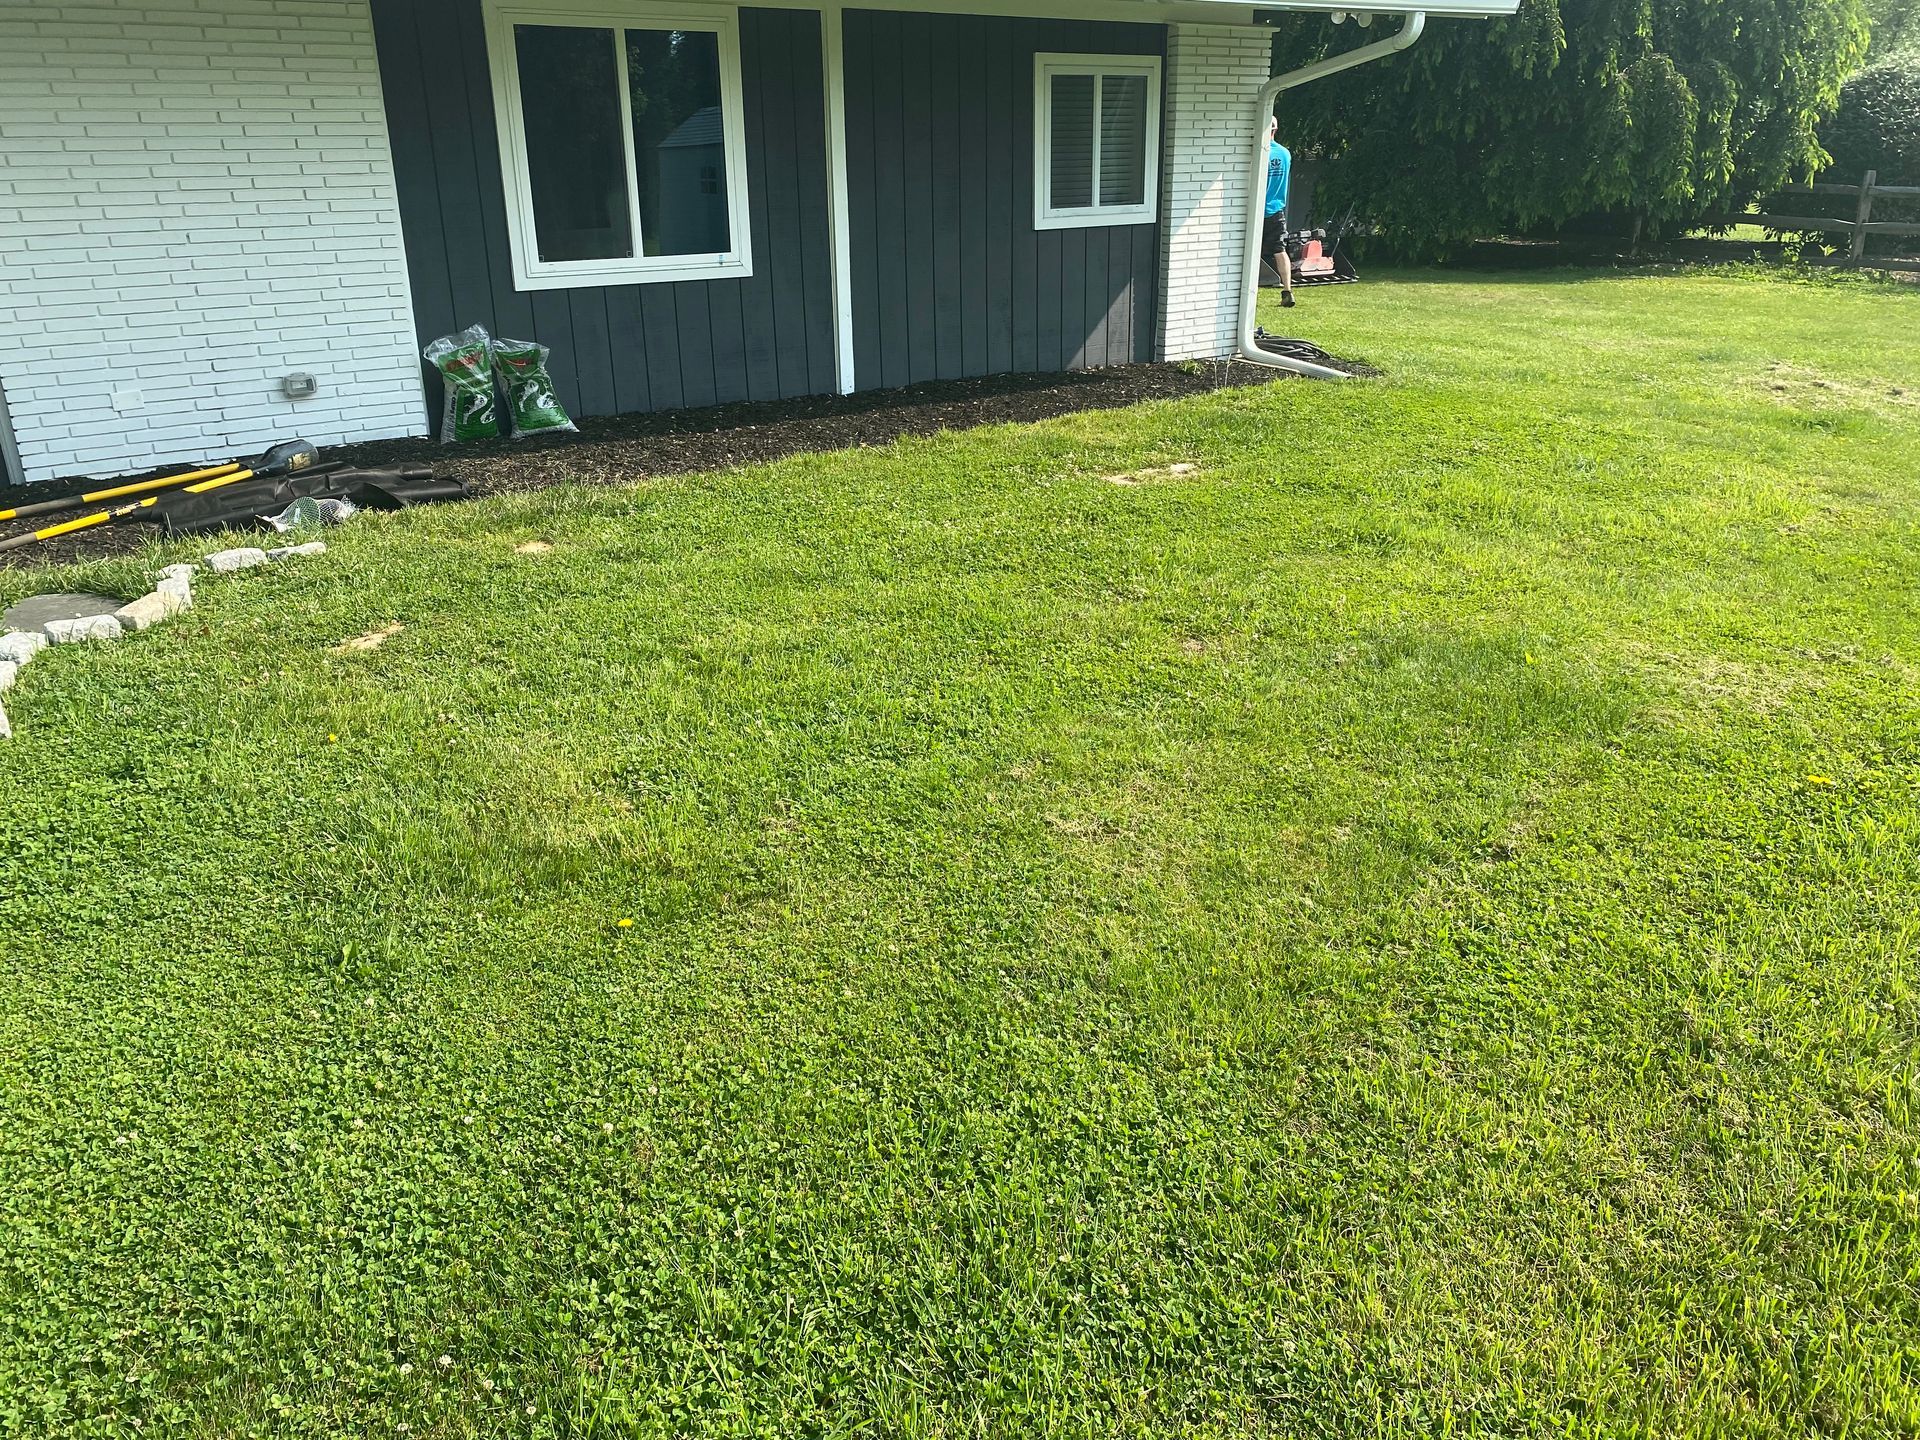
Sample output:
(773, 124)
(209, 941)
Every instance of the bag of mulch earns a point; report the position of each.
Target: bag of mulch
(465, 363)
(532, 408)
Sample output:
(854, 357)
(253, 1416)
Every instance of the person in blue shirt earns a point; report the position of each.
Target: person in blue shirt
(1273, 235)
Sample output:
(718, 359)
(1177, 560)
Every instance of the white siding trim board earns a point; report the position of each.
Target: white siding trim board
(833, 56)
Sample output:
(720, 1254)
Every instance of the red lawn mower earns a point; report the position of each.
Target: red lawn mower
(1318, 258)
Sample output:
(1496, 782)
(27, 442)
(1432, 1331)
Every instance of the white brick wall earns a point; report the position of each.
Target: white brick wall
(196, 200)
(1213, 74)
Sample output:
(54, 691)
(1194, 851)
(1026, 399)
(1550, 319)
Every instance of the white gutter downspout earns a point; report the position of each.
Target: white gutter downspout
(1257, 184)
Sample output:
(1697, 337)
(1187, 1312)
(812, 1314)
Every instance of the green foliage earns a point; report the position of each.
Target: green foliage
(1878, 124)
(1649, 114)
(1406, 930)
(1896, 25)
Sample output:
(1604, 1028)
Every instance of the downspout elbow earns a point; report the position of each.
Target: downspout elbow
(1404, 38)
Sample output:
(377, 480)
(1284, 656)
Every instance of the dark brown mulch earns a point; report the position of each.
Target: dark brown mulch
(622, 448)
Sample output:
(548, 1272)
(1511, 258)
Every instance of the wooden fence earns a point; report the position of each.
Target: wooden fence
(1860, 227)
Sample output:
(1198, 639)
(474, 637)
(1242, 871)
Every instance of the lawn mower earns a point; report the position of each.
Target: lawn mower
(1318, 258)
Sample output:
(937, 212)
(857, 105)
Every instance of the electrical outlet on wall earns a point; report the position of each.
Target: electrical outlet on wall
(125, 402)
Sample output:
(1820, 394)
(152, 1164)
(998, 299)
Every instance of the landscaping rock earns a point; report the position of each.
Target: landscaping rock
(287, 552)
(21, 646)
(92, 627)
(9, 672)
(224, 562)
(176, 594)
(147, 611)
(6, 730)
(182, 573)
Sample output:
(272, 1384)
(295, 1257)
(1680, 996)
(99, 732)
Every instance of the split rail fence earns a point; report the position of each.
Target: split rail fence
(1859, 228)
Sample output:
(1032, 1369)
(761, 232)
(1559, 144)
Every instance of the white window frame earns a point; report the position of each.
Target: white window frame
(530, 272)
(1045, 67)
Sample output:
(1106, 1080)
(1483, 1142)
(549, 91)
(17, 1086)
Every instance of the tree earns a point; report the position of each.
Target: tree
(1896, 26)
(1651, 113)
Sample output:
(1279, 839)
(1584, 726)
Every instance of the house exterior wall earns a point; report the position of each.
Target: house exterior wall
(625, 348)
(1213, 73)
(196, 201)
(949, 276)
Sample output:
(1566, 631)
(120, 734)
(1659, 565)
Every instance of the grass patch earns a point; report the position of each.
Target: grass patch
(1404, 928)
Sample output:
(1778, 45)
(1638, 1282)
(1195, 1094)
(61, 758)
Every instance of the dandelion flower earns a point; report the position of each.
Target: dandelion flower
(1819, 779)
(626, 924)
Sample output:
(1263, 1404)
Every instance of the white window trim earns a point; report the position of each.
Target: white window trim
(1045, 67)
(530, 272)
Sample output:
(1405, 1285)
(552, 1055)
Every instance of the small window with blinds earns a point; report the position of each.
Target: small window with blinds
(1096, 140)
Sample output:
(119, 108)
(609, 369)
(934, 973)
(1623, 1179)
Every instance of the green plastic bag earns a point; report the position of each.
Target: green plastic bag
(532, 408)
(465, 363)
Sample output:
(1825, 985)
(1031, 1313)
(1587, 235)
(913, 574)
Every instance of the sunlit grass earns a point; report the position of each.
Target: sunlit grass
(1409, 929)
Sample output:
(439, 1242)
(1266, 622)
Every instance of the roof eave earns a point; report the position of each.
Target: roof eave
(1462, 9)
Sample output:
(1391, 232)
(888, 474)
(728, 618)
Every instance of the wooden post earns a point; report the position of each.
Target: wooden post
(1861, 215)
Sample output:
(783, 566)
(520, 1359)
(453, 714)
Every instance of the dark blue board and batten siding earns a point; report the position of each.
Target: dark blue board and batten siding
(950, 278)
(616, 348)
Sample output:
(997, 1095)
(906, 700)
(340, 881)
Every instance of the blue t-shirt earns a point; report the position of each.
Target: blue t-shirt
(1279, 172)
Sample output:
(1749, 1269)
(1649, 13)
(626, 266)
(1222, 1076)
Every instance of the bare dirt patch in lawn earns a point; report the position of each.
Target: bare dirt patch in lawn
(1804, 387)
(1708, 680)
(372, 640)
(1158, 474)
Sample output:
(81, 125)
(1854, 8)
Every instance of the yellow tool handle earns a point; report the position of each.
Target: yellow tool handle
(85, 522)
(139, 485)
(161, 483)
(101, 517)
(206, 485)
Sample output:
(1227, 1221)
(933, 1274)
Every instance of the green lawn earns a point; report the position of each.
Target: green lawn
(1411, 929)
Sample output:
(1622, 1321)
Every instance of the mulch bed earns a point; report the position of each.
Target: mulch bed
(620, 449)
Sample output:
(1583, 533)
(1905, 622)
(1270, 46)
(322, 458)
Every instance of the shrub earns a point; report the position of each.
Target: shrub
(1877, 126)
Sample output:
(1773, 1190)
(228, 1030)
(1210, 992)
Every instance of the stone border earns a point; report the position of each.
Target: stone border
(172, 594)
